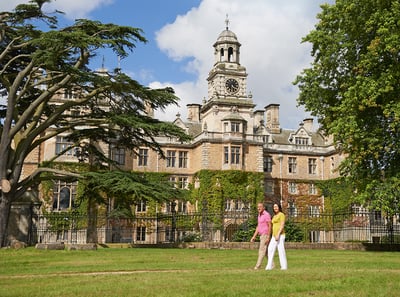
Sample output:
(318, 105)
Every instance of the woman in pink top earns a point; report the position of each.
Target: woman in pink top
(264, 230)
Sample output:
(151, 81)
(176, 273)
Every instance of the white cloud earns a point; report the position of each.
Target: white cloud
(185, 91)
(73, 9)
(270, 33)
(10, 4)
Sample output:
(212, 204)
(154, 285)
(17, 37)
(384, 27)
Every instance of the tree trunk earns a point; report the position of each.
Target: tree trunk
(91, 236)
(5, 207)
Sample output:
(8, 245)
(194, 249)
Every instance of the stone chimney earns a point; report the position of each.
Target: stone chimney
(308, 124)
(258, 118)
(272, 118)
(193, 112)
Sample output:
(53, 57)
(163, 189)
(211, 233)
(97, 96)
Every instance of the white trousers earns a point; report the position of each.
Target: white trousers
(280, 244)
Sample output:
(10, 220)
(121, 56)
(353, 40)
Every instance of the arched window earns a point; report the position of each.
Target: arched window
(64, 195)
(230, 54)
(221, 55)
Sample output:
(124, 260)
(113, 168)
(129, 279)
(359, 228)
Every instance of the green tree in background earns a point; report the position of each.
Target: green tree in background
(39, 59)
(353, 88)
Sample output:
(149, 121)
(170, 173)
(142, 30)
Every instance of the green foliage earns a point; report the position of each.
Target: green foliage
(293, 232)
(245, 231)
(48, 178)
(65, 220)
(391, 239)
(353, 86)
(383, 195)
(192, 237)
(41, 59)
(119, 212)
(339, 195)
(129, 188)
(215, 187)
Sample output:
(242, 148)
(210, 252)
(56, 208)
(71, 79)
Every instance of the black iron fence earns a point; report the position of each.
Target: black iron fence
(346, 227)
(217, 227)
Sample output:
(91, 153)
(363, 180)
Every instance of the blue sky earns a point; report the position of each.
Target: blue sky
(147, 63)
(180, 36)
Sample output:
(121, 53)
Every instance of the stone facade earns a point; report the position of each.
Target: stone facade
(230, 134)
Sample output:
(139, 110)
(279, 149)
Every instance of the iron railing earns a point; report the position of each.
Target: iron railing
(218, 227)
(347, 227)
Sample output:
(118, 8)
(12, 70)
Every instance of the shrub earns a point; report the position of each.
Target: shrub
(293, 232)
(192, 237)
(391, 239)
(245, 231)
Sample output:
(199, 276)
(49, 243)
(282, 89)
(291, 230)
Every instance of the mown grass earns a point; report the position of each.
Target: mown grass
(195, 272)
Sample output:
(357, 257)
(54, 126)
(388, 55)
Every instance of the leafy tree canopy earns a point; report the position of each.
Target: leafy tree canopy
(353, 88)
(39, 60)
(128, 188)
(338, 195)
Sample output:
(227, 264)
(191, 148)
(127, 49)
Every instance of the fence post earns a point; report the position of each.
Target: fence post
(204, 221)
(173, 227)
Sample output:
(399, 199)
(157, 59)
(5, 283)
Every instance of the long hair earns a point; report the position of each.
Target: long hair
(279, 206)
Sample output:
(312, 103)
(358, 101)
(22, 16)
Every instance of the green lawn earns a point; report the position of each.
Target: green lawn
(195, 272)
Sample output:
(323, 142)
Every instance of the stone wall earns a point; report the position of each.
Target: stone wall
(360, 246)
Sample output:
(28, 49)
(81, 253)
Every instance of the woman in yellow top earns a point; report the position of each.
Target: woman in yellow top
(278, 239)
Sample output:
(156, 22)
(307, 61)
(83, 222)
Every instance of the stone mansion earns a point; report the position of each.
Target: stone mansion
(228, 134)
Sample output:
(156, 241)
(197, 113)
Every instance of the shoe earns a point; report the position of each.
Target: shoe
(256, 268)
(272, 267)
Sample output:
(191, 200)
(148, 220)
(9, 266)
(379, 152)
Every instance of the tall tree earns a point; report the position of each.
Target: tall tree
(353, 88)
(39, 59)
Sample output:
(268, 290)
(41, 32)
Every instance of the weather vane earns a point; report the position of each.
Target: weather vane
(227, 22)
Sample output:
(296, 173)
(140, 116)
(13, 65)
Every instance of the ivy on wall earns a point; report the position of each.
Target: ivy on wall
(211, 188)
(48, 179)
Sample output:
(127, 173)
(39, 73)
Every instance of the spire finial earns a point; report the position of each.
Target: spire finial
(227, 22)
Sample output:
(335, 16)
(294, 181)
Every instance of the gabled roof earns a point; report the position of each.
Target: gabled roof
(317, 139)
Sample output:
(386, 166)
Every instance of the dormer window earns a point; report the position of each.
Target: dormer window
(231, 126)
(301, 141)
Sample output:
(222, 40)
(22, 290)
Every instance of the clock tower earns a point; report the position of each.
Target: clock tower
(228, 103)
(227, 79)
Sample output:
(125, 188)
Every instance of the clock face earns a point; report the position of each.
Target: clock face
(232, 85)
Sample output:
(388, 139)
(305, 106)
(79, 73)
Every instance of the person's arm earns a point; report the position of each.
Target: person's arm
(282, 225)
(269, 232)
(255, 234)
